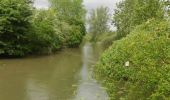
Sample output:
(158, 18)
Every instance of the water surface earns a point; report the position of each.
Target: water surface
(62, 76)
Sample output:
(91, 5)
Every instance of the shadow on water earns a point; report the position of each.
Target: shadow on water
(64, 76)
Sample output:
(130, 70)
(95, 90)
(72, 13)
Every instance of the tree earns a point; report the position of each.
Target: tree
(14, 26)
(45, 37)
(98, 22)
(130, 13)
(71, 15)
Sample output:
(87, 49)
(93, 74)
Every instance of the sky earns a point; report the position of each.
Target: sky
(41, 4)
(89, 4)
(92, 4)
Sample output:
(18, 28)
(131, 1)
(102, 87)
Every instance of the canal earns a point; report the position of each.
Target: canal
(66, 75)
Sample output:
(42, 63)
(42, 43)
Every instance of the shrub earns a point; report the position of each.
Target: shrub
(45, 38)
(107, 39)
(147, 49)
(75, 36)
(14, 25)
(24, 30)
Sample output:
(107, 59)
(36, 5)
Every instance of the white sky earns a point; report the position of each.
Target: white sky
(89, 4)
(92, 4)
(41, 4)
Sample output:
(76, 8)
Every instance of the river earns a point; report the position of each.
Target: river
(66, 75)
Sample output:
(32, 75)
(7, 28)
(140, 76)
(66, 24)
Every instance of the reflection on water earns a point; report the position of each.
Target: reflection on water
(88, 88)
(63, 76)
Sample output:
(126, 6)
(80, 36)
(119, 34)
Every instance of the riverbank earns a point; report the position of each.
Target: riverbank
(137, 66)
(28, 31)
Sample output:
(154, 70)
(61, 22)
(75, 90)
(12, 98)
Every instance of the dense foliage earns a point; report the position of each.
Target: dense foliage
(147, 49)
(14, 26)
(45, 38)
(71, 15)
(137, 65)
(25, 30)
(130, 13)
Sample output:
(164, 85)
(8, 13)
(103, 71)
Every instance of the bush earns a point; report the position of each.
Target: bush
(106, 39)
(72, 35)
(14, 26)
(75, 36)
(147, 49)
(45, 38)
(71, 15)
(24, 30)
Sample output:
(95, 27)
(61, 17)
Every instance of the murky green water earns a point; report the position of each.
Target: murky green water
(63, 76)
